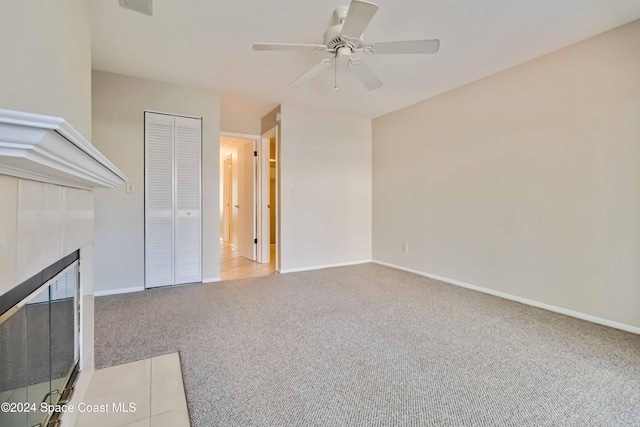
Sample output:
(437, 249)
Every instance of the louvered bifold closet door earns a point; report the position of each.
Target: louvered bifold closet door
(188, 201)
(159, 194)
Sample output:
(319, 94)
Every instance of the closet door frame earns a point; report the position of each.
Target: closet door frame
(173, 195)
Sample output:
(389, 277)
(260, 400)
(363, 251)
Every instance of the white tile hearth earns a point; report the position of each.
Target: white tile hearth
(155, 387)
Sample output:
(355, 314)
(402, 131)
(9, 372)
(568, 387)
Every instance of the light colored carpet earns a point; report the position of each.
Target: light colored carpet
(368, 345)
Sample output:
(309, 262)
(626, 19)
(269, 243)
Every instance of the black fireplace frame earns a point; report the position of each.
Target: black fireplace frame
(10, 300)
(13, 300)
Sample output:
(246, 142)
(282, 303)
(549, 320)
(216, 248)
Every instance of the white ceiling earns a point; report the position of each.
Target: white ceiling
(208, 43)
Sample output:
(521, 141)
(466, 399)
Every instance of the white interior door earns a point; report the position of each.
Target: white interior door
(264, 216)
(226, 199)
(246, 203)
(159, 170)
(187, 252)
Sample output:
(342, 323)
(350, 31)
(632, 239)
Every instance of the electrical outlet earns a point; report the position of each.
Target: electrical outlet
(405, 248)
(131, 188)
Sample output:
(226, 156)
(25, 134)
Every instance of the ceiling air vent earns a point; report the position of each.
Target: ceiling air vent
(142, 6)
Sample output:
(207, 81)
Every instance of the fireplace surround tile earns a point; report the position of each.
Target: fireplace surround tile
(47, 227)
(52, 235)
(9, 235)
(78, 218)
(32, 254)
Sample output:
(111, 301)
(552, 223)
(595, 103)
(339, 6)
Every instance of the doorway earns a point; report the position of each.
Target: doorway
(240, 213)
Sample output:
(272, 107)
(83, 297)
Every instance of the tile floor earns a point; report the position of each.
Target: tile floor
(32, 395)
(233, 266)
(153, 385)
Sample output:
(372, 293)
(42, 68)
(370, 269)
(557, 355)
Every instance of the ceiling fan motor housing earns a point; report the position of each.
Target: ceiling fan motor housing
(334, 40)
(333, 37)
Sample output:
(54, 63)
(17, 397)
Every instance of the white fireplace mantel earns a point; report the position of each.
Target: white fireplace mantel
(48, 149)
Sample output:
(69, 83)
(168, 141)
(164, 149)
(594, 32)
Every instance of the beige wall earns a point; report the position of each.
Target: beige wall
(118, 131)
(325, 204)
(526, 182)
(46, 59)
(239, 123)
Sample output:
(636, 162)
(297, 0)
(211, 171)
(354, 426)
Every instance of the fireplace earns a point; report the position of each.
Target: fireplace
(39, 355)
(48, 174)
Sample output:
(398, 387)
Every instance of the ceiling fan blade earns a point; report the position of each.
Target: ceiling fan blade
(366, 76)
(312, 73)
(409, 46)
(358, 18)
(289, 47)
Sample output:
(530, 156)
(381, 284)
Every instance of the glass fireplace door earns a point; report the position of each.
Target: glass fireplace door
(38, 349)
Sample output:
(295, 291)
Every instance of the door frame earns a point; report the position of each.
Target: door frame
(255, 140)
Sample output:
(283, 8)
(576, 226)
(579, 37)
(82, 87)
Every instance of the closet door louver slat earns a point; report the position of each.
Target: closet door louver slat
(159, 212)
(188, 200)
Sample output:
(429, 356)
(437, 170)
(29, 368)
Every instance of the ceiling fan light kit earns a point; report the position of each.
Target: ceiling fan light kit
(344, 39)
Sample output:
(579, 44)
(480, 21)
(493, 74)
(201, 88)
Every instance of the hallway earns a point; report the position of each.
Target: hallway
(233, 266)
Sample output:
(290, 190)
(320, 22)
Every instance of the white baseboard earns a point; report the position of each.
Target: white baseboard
(319, 267)
(118, 291)
(556, 309)
(215, 279)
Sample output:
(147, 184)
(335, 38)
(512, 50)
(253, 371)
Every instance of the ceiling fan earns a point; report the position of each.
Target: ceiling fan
(345, 39)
